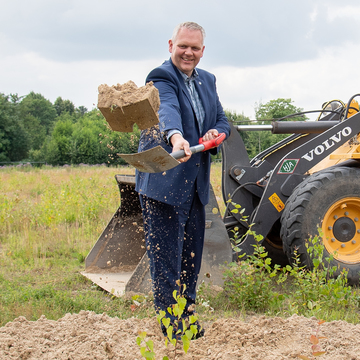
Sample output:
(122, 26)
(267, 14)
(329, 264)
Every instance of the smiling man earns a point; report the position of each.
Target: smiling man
(186, 48)
(173, 203)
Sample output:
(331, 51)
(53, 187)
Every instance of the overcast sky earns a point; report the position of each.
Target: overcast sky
(259, 50)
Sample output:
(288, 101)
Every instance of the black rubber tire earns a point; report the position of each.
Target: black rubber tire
(274, 247)
(311, 202)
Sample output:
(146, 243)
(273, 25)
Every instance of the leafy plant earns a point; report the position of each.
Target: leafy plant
(177, 328)
(315, 347)
(146, 346)
(256, 284)
(249, 283)
(317, 287)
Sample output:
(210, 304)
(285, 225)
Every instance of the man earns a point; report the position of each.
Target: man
(173, 203)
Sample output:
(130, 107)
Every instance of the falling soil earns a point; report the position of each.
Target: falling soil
(125, 105)
(89, 336)
(128, 94)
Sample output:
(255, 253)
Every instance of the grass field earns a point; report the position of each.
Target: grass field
(50, 219)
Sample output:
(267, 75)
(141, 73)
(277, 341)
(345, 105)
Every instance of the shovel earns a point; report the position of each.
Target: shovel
(158, 159)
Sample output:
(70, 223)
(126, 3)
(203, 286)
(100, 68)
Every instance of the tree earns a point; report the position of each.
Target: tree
(257, 141)
(62, 106)
(240, 120)
(35, 131)
(40, 108)
(14, 142)
(96, 143)
(233, 117)
(56, 149)
(82, 110)
(277, 109)
(87, 140)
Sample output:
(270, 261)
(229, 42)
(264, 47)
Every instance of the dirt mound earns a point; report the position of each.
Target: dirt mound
(126, 105)
(88, 336)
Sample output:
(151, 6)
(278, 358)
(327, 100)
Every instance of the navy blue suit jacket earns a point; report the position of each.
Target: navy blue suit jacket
(176, 112)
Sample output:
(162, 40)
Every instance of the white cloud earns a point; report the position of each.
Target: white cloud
(76, 81)
(308, 83)
(286, 49)
(340, 12)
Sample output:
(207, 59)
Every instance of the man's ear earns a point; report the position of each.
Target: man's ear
(170, 46)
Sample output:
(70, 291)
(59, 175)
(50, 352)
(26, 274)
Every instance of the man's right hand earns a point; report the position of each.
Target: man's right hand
(179, 143)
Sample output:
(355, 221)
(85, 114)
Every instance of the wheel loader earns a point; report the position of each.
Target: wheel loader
(305, 185)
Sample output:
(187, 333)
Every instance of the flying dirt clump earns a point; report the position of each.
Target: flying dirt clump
(126, 105)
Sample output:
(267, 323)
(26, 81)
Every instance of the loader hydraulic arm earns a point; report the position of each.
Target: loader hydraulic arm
(291, 127)
(291, 170)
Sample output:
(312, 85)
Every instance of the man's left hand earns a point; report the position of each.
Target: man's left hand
(211, 134)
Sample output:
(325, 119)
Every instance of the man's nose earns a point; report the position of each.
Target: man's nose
(188, 50)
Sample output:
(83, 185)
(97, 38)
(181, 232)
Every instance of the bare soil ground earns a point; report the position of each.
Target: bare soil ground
(89, 336)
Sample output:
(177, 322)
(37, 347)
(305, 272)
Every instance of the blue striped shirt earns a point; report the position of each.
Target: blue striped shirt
(198, 107)
(195, 99)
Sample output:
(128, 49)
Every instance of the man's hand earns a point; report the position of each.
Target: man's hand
(179, 143)
(211, 134)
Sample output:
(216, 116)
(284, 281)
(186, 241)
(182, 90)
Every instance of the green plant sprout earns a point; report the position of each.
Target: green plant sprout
(236, 239)
(177, 328)
(315, 347)
(147, 350)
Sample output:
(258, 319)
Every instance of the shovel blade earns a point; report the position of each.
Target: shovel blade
(153, 160)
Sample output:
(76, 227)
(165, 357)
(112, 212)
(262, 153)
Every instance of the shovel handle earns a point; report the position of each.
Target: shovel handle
(203, 146)
(214, 142)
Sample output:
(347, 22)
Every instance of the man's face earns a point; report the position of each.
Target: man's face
(187, 50)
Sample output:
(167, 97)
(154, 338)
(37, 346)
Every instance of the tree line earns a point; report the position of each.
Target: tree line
(32, 129)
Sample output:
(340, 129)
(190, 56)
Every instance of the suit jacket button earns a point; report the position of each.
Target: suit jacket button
(198, 165)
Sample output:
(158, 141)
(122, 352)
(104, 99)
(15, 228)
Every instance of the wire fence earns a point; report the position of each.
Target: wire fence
(22, 163)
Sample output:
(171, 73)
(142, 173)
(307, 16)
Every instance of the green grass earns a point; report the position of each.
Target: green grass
(50, 219)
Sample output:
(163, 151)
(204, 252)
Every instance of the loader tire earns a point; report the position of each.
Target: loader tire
(329, 200)
(274, 247)
(273, 244)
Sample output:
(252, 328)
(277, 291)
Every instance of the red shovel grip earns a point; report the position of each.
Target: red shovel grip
(213, 142)
(203, 146)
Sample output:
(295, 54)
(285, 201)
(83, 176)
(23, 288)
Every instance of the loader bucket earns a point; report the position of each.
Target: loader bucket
(118, 262)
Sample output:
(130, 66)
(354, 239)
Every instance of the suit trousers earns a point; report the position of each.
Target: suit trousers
(174, 237)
